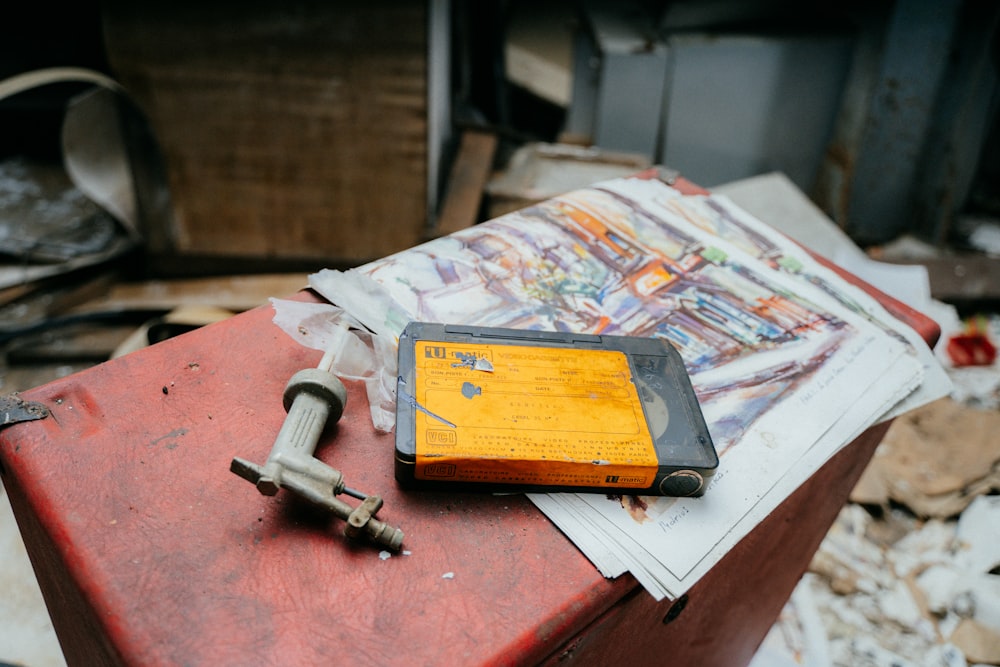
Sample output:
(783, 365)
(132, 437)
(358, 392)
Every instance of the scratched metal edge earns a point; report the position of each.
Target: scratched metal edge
(16, 410)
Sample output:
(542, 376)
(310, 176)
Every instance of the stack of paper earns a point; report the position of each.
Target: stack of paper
(789, 361)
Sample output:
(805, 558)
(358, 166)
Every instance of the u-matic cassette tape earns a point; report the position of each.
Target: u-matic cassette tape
(502, 410)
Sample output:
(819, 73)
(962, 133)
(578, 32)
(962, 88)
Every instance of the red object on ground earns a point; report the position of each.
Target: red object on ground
(971, 349)
(149, 551)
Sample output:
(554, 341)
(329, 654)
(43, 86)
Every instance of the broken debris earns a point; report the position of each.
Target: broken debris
(935, 460)
(931, 598)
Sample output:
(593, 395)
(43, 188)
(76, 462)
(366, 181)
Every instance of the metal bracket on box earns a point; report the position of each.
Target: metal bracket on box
(14, 410)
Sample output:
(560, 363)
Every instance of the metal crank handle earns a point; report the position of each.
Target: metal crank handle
(312, 397)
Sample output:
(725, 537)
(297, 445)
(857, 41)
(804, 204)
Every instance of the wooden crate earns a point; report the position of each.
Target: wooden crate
(289, 130)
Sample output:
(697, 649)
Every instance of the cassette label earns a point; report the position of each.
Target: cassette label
(539, 411)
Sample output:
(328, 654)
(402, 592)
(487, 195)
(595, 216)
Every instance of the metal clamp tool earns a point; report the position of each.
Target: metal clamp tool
(312, 397)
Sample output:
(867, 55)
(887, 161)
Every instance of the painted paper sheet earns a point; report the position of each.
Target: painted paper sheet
(778, 362)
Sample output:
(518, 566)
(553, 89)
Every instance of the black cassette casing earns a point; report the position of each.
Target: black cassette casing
(686, 456)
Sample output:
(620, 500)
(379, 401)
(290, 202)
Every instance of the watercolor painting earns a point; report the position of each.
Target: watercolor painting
(596, 261)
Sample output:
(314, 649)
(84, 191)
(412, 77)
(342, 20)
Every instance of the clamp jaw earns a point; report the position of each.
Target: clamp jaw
(312, 397)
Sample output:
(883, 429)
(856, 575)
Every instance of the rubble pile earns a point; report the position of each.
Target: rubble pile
(909, 575)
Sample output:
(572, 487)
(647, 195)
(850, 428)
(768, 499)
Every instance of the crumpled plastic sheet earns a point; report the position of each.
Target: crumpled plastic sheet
(364, 299)
(359, 356)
